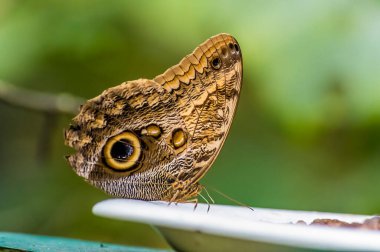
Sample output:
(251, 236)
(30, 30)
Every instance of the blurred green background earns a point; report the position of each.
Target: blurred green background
(306, 134)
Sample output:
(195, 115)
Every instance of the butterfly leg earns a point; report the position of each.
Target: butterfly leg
(193, 200)
(173, 199)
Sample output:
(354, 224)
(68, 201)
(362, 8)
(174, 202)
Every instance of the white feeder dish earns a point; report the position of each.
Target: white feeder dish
(229, 228)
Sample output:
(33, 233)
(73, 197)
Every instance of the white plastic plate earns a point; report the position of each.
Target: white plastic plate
(224, 228)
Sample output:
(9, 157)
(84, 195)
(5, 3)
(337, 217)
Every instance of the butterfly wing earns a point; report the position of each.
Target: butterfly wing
(154, 139)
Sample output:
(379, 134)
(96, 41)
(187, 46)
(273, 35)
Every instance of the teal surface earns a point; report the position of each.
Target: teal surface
(26, 242)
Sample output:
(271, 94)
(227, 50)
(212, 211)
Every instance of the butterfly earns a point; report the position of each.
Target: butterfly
(155, 139)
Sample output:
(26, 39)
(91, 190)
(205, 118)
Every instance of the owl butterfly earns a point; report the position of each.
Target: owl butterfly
(155, 139)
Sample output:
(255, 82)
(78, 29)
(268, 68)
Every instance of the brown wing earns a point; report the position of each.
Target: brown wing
(154, 139)
(206, 85)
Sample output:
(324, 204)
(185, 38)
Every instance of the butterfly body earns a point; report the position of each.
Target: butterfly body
(155, 139)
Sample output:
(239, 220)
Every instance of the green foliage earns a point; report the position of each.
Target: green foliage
(306, 134)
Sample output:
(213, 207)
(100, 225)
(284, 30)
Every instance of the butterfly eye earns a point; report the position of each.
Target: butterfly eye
(122, 152)
(216, 63)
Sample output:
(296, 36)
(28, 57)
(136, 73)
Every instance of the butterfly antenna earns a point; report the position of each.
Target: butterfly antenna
(230, 198)
(208, 203)
(208, 195)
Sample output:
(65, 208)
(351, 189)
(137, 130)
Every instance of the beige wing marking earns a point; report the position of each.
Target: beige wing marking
(188, 99)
